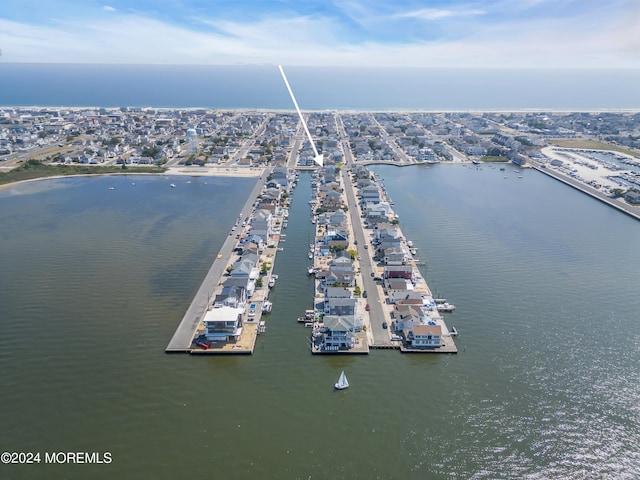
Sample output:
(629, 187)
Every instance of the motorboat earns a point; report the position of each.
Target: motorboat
(445, 307)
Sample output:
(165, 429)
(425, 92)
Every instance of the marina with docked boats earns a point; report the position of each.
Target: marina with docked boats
(368, 292)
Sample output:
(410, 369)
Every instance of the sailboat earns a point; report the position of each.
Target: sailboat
(342, 382)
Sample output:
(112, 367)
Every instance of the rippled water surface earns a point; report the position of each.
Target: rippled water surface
(94, 281)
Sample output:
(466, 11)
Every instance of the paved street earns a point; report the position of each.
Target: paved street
(377, 314)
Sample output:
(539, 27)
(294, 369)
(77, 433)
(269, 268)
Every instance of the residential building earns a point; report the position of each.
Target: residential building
(223, 324)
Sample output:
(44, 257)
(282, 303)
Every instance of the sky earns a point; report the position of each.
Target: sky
(371, 33)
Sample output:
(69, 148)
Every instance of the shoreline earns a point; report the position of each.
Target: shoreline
(346, 110)
(172, 171)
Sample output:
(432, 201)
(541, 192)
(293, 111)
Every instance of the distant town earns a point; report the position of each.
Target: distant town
(598, 149)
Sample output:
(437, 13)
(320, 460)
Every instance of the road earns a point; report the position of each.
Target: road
(376, 300)
(402, 157)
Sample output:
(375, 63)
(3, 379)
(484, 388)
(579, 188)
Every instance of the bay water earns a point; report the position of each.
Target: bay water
(94, 281)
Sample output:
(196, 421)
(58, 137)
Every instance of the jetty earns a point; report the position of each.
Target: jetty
(236, 296)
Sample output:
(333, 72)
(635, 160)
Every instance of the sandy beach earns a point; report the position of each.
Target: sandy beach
(172, 171)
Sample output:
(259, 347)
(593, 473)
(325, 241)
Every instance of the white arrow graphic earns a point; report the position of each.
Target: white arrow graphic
(318, 158)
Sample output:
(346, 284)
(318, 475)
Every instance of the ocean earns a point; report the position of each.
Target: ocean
(321, 88)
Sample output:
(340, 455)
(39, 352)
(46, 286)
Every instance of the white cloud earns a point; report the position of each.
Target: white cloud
(316, 40)
(438, 14)
(108, 8)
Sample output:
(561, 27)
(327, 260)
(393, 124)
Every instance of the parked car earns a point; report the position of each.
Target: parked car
(366, 246)
(364, 294)
(384, 325)
(367, 307)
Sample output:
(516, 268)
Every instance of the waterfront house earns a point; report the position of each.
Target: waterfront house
(398, 271)
(336, 219)
(341, 307)
(246, 266)
(332, 200)
(223, 324)
(397, 288)
(233, 294)
(336, 292)
(394, 256)
(259, 240)
(339, 276)
(425, 336)
(414, 298)
(341, 258)
(339, 333)
(337, 237)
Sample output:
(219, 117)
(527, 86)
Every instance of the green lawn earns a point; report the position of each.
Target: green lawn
(35, 169)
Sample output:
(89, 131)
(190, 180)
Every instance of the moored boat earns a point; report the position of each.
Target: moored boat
(445, 307)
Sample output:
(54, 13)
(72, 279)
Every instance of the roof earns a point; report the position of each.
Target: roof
(337, 292)
(339, 323)
(424, 330)
(223, 314)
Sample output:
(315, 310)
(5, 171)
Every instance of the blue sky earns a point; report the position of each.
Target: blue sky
(391, 33)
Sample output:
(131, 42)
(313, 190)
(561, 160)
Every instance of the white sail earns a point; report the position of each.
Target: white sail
(342, 382)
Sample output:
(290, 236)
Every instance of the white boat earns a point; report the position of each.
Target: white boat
(342, 382)
(446, 307)
(272, 281)
(310, 270)
(112, 188)
(266, 306)
(409, 243)
(173, 185)
(310, 256)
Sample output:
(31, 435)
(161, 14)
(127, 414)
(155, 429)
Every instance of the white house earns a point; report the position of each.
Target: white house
(223, 324)
(426, 336)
